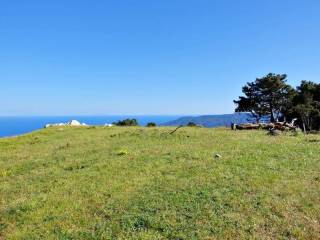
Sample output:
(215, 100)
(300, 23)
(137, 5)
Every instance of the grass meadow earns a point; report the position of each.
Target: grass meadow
(144, 183)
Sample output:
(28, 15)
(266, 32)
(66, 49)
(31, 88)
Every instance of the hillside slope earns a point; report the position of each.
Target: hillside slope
(212, 120)
(143, 183)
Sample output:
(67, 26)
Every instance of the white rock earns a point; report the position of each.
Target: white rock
(71, 123)
(74, 123)
(108, 125)
(217, 156)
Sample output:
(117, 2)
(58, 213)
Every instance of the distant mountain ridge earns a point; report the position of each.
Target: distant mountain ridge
(211, 121)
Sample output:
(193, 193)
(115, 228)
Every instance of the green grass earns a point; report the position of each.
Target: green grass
(142, 183)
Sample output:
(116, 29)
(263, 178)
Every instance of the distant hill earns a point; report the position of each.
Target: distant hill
(212, 120)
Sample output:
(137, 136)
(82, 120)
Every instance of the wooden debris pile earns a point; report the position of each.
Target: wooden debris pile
(282, 126)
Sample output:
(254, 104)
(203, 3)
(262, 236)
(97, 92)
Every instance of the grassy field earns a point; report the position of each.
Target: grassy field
(143, 183)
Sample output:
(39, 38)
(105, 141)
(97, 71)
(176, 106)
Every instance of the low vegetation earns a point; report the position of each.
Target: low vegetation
(144, 183)
(151, 124)
(191, 124)
(127, 122)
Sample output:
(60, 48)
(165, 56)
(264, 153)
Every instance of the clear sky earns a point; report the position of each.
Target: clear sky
(149, 57)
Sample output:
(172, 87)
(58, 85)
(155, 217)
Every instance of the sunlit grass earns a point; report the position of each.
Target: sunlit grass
(143, 183)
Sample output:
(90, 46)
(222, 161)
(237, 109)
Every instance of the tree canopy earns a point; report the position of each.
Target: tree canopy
(306, 105)
(269, 95)
(272, 96)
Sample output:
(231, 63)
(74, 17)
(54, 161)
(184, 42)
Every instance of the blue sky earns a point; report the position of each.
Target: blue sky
(149, 57)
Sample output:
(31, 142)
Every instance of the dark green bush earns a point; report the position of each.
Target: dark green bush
(191, 124)
(151, 124)
(127, 122)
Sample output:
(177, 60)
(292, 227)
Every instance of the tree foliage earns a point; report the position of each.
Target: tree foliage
(306, 105)
(269, 95)
(272, 96)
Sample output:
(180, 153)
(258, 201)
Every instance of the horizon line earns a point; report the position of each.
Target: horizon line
(111, 115)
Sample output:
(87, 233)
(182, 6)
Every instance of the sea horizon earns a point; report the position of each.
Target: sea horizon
(18, 125)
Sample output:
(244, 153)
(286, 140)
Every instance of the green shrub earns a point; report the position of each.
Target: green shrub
(127, 122)
(151, 124)
(191, 124)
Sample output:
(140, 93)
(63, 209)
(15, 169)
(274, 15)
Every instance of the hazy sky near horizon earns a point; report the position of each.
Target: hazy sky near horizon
(149, 57)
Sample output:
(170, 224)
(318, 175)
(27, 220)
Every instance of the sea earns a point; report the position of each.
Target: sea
(13, 126)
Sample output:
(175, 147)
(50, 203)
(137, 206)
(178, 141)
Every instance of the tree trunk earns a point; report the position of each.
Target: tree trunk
(271, 113)
(272, 117)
